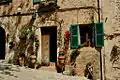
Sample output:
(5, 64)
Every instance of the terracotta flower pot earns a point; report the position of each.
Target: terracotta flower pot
(61, 59)
(21, 61)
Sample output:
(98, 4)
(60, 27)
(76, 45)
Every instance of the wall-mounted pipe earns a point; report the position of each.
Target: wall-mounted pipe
(101, 55)
(98, 1)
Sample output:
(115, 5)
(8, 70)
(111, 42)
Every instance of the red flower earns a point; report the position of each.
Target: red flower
(67, 34)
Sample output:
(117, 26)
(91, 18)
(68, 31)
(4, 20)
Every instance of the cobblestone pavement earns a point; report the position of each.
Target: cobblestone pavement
(13, 72)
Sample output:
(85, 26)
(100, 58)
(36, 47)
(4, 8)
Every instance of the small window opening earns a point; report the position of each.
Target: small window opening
(86, 35)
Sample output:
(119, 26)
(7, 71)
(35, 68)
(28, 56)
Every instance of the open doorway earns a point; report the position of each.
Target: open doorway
(2, 43)
(49, 44)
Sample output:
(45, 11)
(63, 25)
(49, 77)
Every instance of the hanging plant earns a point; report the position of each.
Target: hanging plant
(67, 35)
(66, 39)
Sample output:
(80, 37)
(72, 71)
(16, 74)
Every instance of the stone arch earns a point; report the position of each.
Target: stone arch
(2, 43)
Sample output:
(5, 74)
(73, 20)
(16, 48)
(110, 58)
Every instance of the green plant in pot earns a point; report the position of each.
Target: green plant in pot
(62, 54)
(61, 60)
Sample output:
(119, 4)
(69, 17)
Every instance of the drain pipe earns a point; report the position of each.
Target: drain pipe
(101, 55)
(98, 1)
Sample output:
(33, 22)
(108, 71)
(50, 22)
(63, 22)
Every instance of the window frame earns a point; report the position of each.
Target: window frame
(38, 1)
(5, 1)
(93, 37)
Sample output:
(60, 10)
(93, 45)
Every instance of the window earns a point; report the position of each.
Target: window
(9, 0)
(5, 1)
(86, 35)
(38, 1)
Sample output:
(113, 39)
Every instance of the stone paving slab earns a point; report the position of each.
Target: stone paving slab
(13, 72)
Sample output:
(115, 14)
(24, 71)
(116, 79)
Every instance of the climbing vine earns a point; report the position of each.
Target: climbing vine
(26, 33)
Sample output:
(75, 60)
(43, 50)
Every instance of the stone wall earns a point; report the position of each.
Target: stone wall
(61, 19)
(76, 3)
(70, 12)
(88, 55)
(79, 12)
(76, 12)
(16, 25)
(110, 9)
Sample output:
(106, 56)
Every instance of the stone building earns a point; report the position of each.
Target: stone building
(39, 26)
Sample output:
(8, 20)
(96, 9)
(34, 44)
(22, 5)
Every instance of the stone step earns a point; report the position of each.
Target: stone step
(51, 67)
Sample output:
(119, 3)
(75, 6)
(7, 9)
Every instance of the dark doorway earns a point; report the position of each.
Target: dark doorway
(2, 43)
(52, 32)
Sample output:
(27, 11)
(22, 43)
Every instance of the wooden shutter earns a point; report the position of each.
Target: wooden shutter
(74, 36)
(36, 1)
(99, 34)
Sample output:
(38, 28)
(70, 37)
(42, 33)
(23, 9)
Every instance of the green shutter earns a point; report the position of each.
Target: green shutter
(74, 36)
(99, 34)
(36, 1)
(9, 0)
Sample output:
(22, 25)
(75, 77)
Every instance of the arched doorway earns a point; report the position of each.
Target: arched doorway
(2, 43)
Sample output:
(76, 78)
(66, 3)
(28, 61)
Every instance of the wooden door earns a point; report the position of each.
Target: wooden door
(45, 48)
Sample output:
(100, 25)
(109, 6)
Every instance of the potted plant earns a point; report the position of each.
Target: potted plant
(61, 57)
(61, 60)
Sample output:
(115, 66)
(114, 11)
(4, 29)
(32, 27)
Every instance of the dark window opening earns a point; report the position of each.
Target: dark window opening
(5, 2)
(86, 34)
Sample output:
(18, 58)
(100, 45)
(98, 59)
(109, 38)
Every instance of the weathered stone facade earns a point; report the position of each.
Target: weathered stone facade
(70, 12)
(110, 11)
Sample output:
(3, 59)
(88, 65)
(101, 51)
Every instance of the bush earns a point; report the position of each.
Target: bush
(73, 56)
